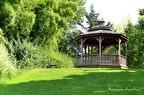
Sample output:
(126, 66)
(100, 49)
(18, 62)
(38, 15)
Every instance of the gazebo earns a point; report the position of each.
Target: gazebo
(91, 44)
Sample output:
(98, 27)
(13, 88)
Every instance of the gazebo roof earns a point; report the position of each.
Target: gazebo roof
(101, 29)
(106, 32)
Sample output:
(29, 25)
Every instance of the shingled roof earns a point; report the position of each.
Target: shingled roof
(104, 31)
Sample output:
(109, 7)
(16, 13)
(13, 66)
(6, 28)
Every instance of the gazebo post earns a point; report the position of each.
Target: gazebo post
(85, 47)
(126, 49)
(76, 53)
(76, 50)
(91, 49)
(81, 51)
(88, 52)
(100, 41)
(119, 51)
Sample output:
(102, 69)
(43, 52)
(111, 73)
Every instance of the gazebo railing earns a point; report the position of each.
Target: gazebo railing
(122, 60)
(105, 60)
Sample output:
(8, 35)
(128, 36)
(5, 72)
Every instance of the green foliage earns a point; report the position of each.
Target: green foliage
(61, 60)
(29, 56)
(92, 17)
(135, 35)
(33, 29)
(110, 50)
(141, 12)
(52, 18)
(16, 21)
(67, 44)
(40, 21)
(42, 57)
(7, 66)
(110, 24)
(21, 52)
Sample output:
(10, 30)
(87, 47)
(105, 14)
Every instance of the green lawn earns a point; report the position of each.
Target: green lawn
(75, 81)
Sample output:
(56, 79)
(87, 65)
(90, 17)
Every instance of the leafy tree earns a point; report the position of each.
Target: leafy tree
(67, 44)
(135, 35)
(38, 22)
(52, 21)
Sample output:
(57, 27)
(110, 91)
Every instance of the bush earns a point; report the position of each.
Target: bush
(29, 56)
(43, 58)
(21, 52)
(7, 67)
(61, 60)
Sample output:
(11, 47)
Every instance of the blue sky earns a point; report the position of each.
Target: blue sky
(116, 10)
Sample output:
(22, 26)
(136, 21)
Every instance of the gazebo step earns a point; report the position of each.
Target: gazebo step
(124, 66)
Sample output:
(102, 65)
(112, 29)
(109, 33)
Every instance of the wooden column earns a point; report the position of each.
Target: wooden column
(88, 50)
(85, 47)
(77, 60)
(88, 54)
(126, 52)
(126, 49)
(100, 48)
(91, 50)
(119, 51)
(82, 41)
(76, 50)
(81, 51)
(91, 54)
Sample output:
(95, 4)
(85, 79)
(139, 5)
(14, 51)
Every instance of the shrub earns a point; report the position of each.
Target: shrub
(21, 52)
(7, 67)
(61, 60)
(29, 56)
(43, 58)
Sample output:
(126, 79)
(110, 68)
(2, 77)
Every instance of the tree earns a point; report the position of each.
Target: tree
(38, 22)
(92, 17)
(67, 44)
(110, 24)
(135, 35)
(52, 22)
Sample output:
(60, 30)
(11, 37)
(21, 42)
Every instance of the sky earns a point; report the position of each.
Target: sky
(116, 10)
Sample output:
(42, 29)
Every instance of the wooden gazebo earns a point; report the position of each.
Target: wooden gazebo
(100, 37)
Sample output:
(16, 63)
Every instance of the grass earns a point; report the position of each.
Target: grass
(75, 81)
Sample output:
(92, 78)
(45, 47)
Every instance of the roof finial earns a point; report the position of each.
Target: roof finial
(101, 21)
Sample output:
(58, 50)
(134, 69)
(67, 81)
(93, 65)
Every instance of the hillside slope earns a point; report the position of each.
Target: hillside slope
(75, 81)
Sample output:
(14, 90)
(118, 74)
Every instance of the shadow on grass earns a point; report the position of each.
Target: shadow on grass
(90, 83)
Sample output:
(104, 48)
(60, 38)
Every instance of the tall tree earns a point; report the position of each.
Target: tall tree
(67, 44)
(110, 24)
(40, 22)
(92, 17)
(135, 34)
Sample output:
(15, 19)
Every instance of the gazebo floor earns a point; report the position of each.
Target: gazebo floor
(102, 66)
